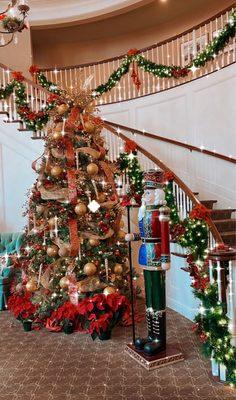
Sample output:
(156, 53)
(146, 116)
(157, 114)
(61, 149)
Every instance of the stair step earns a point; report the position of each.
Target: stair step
(226, 225)
(208, 203)
(222, 213)
(13, 121)
(229, 238)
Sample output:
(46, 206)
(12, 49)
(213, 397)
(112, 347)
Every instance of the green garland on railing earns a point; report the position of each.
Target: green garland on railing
(166, 71)
(211, 323)
(128, 163)
(34, 121)
(37, 120)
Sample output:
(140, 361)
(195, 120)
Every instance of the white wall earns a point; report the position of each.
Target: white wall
(17, 151)
(202, 113)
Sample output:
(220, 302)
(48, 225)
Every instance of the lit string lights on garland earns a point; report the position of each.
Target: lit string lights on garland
(37, 120)
(212, 322)
(128, 164)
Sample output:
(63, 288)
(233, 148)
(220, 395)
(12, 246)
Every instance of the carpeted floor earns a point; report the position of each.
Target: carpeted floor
(40, 365)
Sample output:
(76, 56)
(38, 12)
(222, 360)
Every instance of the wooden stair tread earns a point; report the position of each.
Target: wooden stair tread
(229, 233)
(221, 221)
(206, 201)
(14, 121)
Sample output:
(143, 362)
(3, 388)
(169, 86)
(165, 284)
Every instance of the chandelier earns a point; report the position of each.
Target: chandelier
(12, 20)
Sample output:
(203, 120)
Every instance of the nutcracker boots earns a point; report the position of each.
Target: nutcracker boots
(155, 314)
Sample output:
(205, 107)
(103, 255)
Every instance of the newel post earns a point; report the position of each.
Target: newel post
(222, 260)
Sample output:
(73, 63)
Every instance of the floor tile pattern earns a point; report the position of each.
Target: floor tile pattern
(40, 365)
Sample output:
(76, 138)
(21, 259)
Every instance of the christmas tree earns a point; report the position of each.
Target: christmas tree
(72, 271)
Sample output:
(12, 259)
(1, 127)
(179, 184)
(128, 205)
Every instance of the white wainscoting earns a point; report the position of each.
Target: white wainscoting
(17, 151)
(201, 113)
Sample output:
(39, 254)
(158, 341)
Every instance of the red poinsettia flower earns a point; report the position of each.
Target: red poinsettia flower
(130, 146)
(53, 97)
(203, 337)
(126, 201)
(132, 52)
(168, 176)
(85, 306)
(34, 69)
(221, 247)
(40, 114)
(98, 121)
(23, 110)
(2, 16)
(32, 116)
(21, 306)
(195, 327)
(200, 212)
(179, 72)
(17, 76)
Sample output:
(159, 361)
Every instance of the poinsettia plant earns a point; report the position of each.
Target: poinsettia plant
(97, 314)
(22, 307)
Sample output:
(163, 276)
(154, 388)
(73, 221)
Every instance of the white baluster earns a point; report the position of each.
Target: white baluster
(218, 269)
(231, 306)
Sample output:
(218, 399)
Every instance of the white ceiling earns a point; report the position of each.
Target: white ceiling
(55, 12)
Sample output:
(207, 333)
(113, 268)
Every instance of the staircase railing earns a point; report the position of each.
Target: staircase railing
(201, 149)
(178, 50)
(184, 197)
(36, 96)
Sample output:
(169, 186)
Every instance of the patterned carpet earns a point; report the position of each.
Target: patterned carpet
(40, 365)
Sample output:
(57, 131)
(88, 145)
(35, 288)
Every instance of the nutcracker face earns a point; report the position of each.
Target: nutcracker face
(149, 197)
(153, 197)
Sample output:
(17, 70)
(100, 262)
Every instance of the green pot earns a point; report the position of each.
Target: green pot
(68, 329)
(27, 326)
(105, 335)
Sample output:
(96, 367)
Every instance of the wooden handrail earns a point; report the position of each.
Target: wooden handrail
(174, 142)
(180, 183)
(162, 43)
(30, 82)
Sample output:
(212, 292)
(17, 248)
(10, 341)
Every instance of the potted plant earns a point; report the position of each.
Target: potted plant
(101, 313)
(23, 309)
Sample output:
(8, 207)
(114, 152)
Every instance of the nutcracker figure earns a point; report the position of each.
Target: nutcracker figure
(154, 257)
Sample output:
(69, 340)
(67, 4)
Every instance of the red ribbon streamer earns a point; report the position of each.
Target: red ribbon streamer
(74, 239)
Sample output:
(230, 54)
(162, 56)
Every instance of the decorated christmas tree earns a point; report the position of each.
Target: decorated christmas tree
(72, 271)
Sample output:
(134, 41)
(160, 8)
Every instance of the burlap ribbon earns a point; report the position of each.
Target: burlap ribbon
(110, 176)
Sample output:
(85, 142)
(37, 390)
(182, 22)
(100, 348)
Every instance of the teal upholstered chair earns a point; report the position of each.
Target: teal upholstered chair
(10, 243)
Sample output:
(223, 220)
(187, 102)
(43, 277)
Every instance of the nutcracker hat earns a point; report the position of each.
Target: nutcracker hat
(153, 179)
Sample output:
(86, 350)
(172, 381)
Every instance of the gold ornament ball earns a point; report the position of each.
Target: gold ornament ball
(31, 285)
(51, 222)
(64, 251)
(40, 209)
(109, 290)
(62, 108)
(118, 269)
(89, 127)
(94, 242)
(64, 282)
(121, 235)
(101, 197)
(52, 251)
(56, 170)
(92, 169)
(80, 209)
(58, 127)
(57, 135)
(90, 269)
